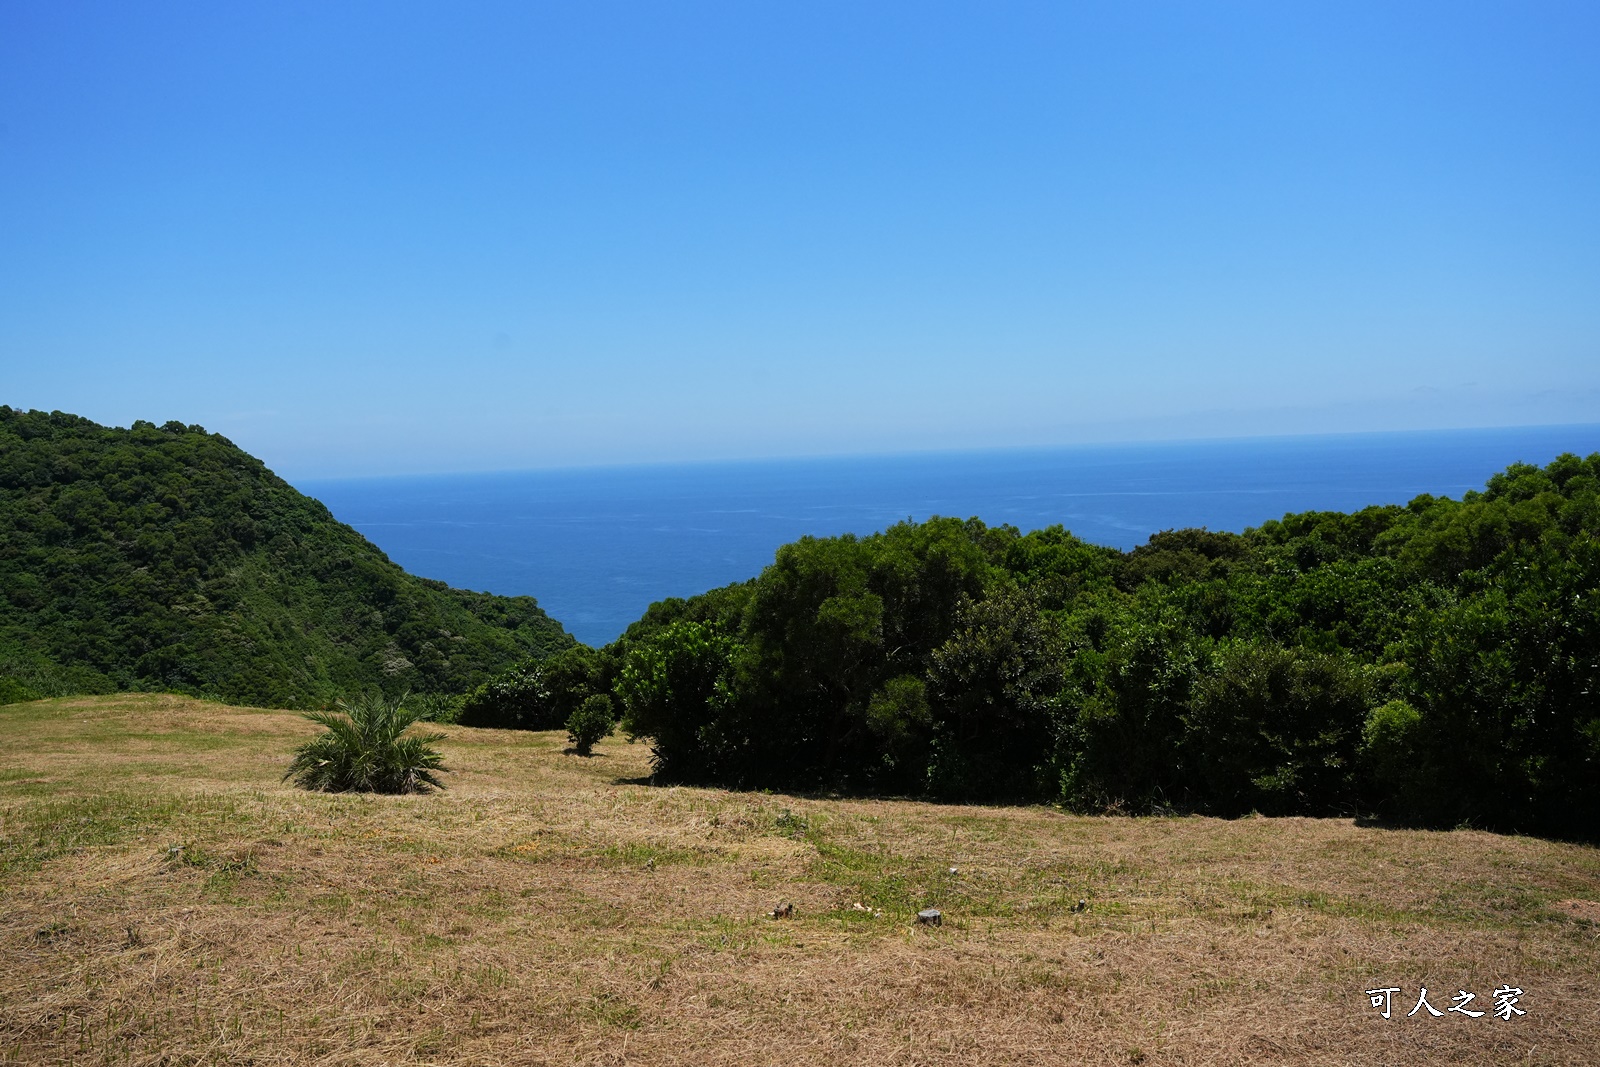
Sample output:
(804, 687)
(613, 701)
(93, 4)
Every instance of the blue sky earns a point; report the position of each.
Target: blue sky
(399, 237)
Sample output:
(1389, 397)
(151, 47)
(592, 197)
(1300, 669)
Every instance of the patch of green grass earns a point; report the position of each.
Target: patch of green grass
(547, 847)
(338, 903)
(581, 911)
(896, 886)
(372, 959)
(32, 711)
(613, 1010)
(227, 863)
(984, 828)
(1486, 906)
(1474, 906)
(35, 832)
(1031, 975)
(852, 917)
(791, 825)
(488, 904)
(488, 977)
(224, 869)
(180, 741)
(432, 1041)
(26, 784)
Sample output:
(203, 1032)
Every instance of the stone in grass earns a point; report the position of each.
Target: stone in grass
(930, 917)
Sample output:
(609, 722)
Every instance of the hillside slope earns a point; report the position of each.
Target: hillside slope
(168, 558)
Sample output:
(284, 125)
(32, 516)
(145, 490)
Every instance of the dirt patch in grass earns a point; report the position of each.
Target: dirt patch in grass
(168, 900)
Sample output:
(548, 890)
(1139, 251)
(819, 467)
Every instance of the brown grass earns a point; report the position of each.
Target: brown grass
(166, 900)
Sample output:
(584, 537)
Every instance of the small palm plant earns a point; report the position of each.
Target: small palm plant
(366, 749)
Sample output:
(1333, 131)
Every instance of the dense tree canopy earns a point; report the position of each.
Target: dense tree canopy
(165, 557)
(1438, 663)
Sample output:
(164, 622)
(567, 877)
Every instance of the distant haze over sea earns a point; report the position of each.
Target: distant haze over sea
(597, 546)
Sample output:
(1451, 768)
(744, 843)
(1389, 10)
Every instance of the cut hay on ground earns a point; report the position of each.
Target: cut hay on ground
(167, 900)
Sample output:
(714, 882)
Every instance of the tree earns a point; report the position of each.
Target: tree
(537, 694)
(672, 687)
(590, 722)
(994, 687)
(1276, 730)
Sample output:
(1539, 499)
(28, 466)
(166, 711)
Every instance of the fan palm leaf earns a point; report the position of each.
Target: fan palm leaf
(366, 748)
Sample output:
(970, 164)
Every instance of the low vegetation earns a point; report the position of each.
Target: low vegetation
(169, 900)
(540, 693)
(368, 746)
(593, 721)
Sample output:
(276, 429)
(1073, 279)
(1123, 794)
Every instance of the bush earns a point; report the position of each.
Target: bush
(1126, 708)
(513, 699)
(570, 677)
(1393, 758)
(366, 749)
(538, 694)
(441, 708)
(14, 692)
(669, 688)
(993, 689)
(1276, 730)
(592, 721)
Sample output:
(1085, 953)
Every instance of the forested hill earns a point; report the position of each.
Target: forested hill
(167, 558)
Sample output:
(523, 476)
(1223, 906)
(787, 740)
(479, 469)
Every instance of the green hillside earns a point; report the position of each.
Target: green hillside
(167, 558)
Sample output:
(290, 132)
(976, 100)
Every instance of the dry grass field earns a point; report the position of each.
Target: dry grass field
(165, 899)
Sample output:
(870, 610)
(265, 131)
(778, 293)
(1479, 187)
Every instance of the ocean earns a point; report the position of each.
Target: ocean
(596, 546)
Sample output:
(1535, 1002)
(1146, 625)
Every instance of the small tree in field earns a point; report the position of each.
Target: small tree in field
(366, 749)
(591, 721)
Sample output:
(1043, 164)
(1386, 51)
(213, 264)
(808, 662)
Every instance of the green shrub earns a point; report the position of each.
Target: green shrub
(1394, 760)
(510, 700)
(791, 825)
(1276, 730)
(1124, 718)
(538, 694)
(441, 708)
(570, 677)
(366, 749)
(992, 688)
(14, 692)
(668, 688)
(592, 721)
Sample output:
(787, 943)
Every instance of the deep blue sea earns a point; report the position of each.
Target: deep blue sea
(597, 546)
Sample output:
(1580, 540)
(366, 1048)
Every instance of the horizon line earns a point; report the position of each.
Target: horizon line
(934, 453)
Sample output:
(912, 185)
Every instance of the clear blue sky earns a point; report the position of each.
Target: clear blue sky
(397, 237)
